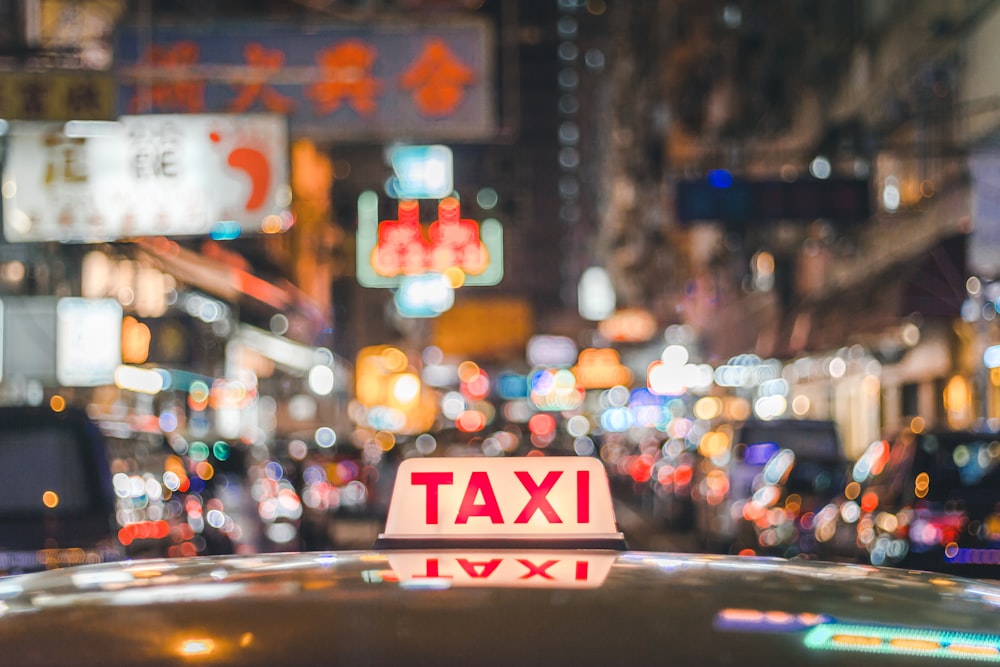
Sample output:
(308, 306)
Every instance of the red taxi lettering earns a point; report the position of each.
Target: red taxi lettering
(537, 500)
(433, 480)
(432, 571)
(484, 569)
(537, 570)
(488, 567)
(479, 483)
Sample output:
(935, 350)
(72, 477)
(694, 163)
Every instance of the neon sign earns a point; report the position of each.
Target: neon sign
(461, 249)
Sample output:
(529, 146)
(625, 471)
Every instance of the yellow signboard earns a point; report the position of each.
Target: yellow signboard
(61, 95)
(484, 328)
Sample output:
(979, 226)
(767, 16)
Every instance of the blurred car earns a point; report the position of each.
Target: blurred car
(175, 496)
(57, 504)
(928, 501)
(775, 476)
(495, 562)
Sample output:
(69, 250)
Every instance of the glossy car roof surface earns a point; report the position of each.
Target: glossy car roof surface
(498, 607)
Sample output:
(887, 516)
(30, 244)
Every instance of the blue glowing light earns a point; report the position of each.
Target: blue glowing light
(512, 385)
(225, 230)
(760, 453)
(720, 178)
(616, 420)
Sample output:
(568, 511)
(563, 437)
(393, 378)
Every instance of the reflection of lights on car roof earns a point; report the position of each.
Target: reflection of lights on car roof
(903, 641)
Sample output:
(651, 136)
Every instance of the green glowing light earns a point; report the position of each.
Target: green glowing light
(904, 641)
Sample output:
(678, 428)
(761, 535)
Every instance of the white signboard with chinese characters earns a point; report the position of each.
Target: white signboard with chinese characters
(158, 175)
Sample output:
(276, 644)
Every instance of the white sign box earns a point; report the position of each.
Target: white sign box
(88, 341)
(29, 346)
(157, 175)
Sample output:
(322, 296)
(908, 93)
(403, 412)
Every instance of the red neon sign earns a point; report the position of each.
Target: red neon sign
(402, 248)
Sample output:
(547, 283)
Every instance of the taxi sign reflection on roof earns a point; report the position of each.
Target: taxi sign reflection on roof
(557, 501)
(502, 568)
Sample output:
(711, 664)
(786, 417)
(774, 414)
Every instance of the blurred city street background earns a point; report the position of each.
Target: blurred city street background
(745, 253)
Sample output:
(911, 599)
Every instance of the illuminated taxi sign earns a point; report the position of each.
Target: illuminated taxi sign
(501, 569)
(536, 502)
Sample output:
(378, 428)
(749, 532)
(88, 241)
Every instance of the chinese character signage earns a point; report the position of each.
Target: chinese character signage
(333, 82)
(168, 174)
(54, 95)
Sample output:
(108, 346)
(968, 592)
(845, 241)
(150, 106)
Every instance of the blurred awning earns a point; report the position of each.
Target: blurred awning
(236, 284)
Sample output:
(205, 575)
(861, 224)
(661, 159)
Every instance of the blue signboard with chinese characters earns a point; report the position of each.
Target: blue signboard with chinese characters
(351, 83)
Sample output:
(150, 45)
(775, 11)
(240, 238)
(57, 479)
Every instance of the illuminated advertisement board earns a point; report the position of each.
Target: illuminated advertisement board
(163, 175)
(332, 80)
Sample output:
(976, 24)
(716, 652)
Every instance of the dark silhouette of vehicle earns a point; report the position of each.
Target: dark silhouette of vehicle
(926, 501)
(56, 497)
(779, 473)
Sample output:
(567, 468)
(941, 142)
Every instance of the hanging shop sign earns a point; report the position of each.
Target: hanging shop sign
(164, 175)
(57, 95)
(333, 81)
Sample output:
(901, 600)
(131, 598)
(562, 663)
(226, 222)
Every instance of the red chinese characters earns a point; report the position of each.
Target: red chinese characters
(437, 79)
(346, 78)
(182, 93)
(348, 74)
(266, 62)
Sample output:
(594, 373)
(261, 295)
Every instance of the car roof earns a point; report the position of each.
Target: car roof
(368, 607)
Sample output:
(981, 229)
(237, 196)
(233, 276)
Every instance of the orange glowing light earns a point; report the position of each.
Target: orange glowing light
(50, 499)
(135, 341)
(629, 325)
(972, 649)
(394, 359)
(190, 647)
(911, 644)
(375, 367)
(856, 640)
(57, 403)
(468, 370)
(385, 440)
(455, 276)
(601, 368)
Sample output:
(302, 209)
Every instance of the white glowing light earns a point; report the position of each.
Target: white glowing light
(321, 380)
